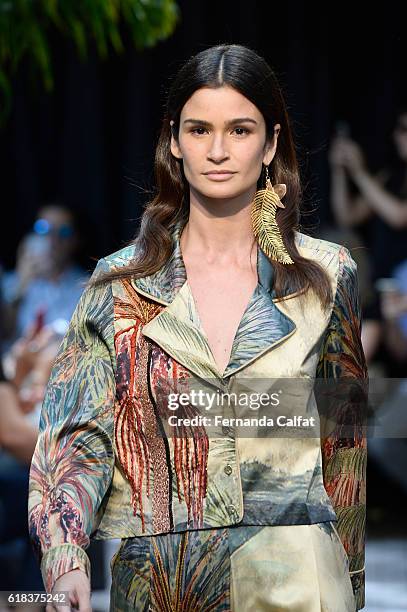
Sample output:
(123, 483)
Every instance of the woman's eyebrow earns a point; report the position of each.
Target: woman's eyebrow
(227, 123)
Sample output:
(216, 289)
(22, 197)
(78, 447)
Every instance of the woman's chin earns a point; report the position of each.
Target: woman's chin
(221, 191)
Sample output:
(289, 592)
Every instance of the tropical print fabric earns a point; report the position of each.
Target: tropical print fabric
(105, 466)
(300, 568)
(344, 450)
(74, 457)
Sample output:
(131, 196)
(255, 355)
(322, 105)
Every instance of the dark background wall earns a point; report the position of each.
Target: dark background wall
(90, 143)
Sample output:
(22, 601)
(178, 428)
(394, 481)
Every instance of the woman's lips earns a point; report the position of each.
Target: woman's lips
(219, 176)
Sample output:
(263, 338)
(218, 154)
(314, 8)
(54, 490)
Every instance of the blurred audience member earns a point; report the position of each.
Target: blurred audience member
(393, 293)
(381, 199)
(388, 447)
(29, 364)
(46, 284)
(18, 436)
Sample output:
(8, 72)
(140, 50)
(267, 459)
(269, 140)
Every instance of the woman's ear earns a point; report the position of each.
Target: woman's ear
(175, 150)
(271, 146)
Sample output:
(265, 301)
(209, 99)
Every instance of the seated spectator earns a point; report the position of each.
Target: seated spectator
(46, 284)
(20, 400)
(18, 436)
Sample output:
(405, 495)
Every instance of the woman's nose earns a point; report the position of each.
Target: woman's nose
(217, 151)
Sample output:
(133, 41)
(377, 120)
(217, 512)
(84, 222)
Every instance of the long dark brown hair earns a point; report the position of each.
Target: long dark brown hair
(248, 73)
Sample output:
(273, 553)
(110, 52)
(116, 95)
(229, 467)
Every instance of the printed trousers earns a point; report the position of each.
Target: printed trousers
(296, 568)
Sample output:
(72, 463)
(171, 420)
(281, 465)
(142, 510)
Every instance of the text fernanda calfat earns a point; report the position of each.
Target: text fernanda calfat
(220, 421)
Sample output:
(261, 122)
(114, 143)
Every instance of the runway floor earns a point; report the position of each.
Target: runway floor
(386, 575)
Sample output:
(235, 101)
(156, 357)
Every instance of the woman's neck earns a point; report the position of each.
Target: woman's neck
(217, 237)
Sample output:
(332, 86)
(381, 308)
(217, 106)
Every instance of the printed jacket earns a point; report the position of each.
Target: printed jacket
(105, 466)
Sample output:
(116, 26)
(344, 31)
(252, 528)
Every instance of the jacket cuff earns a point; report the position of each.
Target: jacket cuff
(61, 559)
(358, 584)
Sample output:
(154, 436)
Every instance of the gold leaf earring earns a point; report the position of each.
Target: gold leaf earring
(265, 227)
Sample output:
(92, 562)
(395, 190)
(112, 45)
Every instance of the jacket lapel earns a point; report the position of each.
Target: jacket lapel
(263, 325)
(177, 328)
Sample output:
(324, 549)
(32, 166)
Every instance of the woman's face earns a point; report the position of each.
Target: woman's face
(400, 136)
(222, 142)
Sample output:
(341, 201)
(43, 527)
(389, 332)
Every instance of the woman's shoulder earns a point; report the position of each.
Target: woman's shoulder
(337, 261)
(119, 258)
(107, 267)
(329, 254)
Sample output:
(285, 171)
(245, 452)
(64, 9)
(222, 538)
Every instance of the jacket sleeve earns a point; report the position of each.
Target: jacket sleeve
(343, 429)
(73, 461)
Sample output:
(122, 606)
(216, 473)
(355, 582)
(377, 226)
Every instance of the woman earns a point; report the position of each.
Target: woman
(210, 519)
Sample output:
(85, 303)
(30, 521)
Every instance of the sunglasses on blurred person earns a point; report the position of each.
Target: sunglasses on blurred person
(42, 227)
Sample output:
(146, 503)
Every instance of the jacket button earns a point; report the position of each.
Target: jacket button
(225, 430)
(228, 470)
(231, 509)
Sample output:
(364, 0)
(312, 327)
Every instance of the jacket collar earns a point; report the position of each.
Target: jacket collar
(177, 328)
(164, 284)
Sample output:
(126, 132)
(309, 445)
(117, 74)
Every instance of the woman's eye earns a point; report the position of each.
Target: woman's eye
(195, 130)
(240, 131)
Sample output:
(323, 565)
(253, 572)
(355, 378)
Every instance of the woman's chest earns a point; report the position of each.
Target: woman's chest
(220, 305)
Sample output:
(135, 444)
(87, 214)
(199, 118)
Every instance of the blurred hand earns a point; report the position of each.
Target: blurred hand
(34, 356)
(346, 153)
(77, 585)
(336, 152)
(28, 268)
(31, 264)
(17, 435)
(26, 351)
(393, 304)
